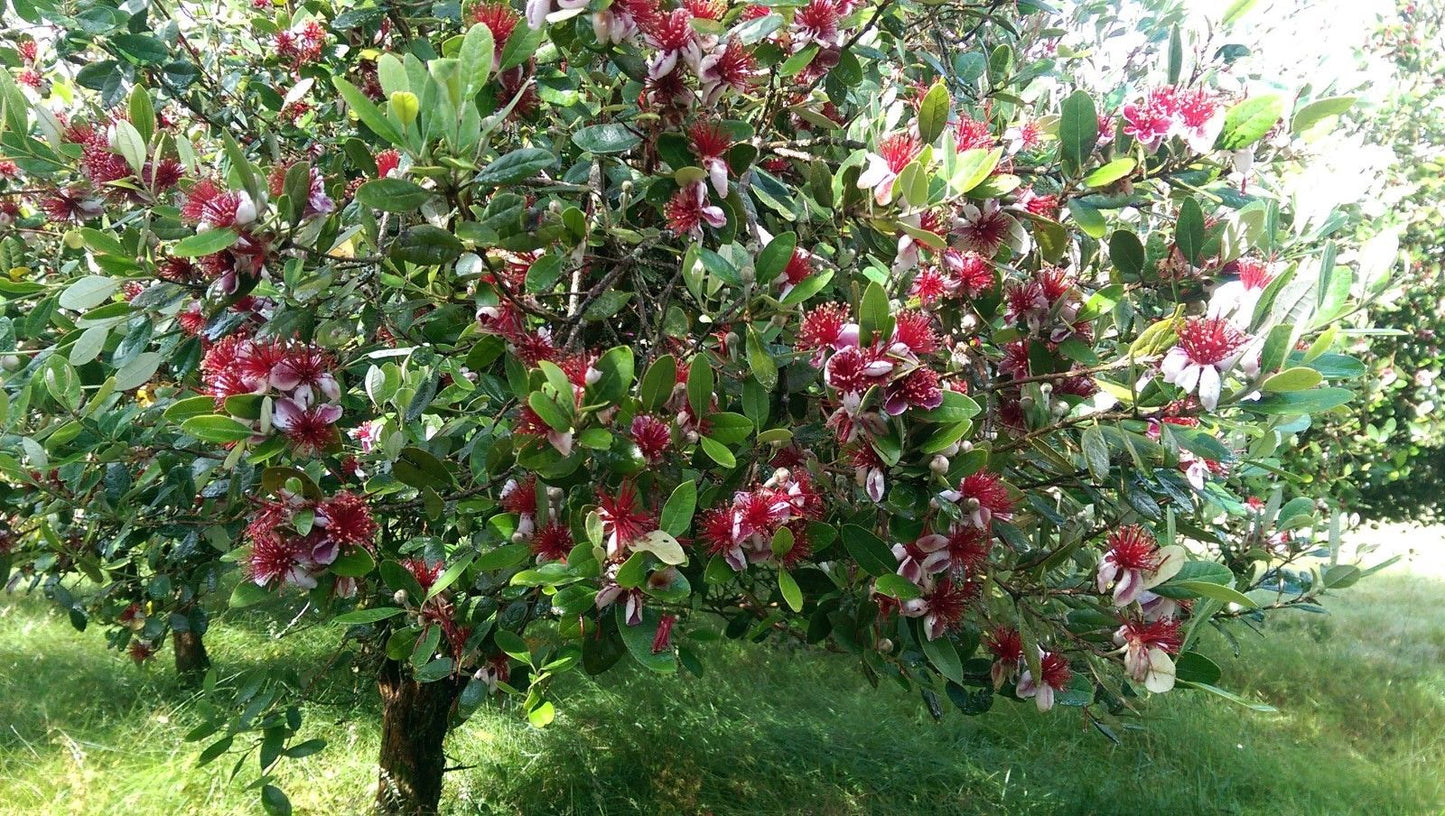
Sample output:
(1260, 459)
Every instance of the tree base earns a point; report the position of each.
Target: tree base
(414, 723)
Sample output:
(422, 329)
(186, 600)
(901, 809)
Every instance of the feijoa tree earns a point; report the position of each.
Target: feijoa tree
(521, 341)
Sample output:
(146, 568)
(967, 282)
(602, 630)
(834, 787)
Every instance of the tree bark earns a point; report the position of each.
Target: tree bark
(191, 657)
(415, 719)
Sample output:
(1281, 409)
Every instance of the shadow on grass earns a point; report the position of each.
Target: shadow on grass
(768, 730)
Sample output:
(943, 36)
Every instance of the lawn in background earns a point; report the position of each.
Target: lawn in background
(1360, 693)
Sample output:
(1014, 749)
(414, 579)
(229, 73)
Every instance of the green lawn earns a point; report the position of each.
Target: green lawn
(1361, 696)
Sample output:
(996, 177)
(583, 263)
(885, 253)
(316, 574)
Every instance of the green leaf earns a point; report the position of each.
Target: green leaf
(363, 616)
(1314, 401)
(419, 469)
(1176, 54)
(718, 452)
(1232, 697)
(88, 292)
(944, 657)
(956, 407)
(874, 318)
(143, 48)
(1189, 231)
(515, 166)
(972, 167)
(204, 243)
(1193, 667)
(1294, 379)
(503, 557)
(868, 550)
(1089, 219)
(1078, 130)
(764, 367)
(521, 46)
(184, 409)
(677, 512)
(896, 586)
(616, 369)
(638, 640)
(451, 574)
(933, 113)
(392, 195)
(274, 801)
(1126, 253)
(775, 256)
(369, 114)
(544, 273)
(811, 285)
(216, 428)
(542, 716)
(426, 245)
(1319, 110)
(797, 62)
(663, 545)
(1096, 452)
(699, 385)
(476, 58)
(1248, 122)
(354, 564)
(1218, 592)
(792, 594)
(550, 412)
(248, 593)
(610, 137)
(138, 371)
(658, 382)
(1109, 173)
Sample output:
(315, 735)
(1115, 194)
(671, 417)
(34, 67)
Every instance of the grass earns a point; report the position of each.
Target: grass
(1360, 693)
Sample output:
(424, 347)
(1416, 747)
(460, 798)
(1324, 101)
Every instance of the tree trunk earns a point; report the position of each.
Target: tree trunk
(415, 719)
(191, 657)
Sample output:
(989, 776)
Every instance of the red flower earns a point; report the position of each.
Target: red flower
(918, 389)
(347, 520)
(969, 547)
(1133, 548)
(899, 149)
(986, 497)
(552, 542)
(652, 436)
(499, 18)
(914, 330)
(520, 497)
(1210, 340)
(818, 22)
(972, 134)
(623, 521)
(310, 429)
(822, 327)
(798, 268)
(387, 161)
(425, 574)
(974, 274)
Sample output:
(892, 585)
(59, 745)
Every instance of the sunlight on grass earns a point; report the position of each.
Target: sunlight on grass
(1361, 695)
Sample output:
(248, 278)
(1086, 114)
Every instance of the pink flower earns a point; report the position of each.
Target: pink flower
(623, 521)
(689, 208)
(986, 228)
(1056, 676)
(310, 429)
(710, 142)
(1135, 562)
(1008, 651)
(894, 153)
(1208, 347)
(1238, 298)
(983, 497)
(817, 22)
(1147, 647)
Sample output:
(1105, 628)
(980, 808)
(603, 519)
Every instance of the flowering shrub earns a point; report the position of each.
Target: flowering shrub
(522, 341)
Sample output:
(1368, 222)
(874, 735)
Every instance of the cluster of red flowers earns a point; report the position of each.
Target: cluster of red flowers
(743, 531)
(946, 566)
(303, 46)
(299, 375)
(551, 539)
(1193, 115)
(293, 540)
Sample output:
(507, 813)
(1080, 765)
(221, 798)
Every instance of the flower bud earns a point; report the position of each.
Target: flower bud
(884, 645)
(400, 597)
(939, 465)
(406, 107)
